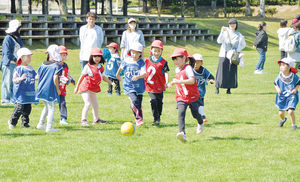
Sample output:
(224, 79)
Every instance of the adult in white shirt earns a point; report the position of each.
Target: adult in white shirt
(90, 36)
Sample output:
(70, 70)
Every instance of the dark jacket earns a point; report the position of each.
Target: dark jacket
(261, 40)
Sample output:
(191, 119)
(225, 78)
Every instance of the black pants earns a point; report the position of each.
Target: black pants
(136, 105)
(63, 107)
(156, 100)
(21, 109)
(116, 81)
(283, 54)
(182, 106)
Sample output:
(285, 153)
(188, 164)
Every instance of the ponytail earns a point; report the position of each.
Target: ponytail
(261, 25)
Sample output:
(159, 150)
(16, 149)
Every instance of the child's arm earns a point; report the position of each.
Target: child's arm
(118, 74)
(135, 78)
(56, 84)
(78, 83)
(211, 81)
(17, 79)
(295, 89)
(189, 81)
(277, 89)
(108, 81)
(167, 78)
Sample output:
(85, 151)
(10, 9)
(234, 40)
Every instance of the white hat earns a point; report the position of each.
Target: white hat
(288, 61)
(23, 52)
(136, 46)
(13, 26)
(131, 19)
(197, 57)
(53, 51)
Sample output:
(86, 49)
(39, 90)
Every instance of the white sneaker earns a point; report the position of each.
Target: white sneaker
(263, 72)
(51, 129)
(63, 121)
(41, 126)
(181, 136)
(10, 125)
(200, 128)
(258, 72)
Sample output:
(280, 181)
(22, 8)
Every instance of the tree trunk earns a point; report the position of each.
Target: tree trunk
(262, 8)
(29, 7)
(248, 9)
(182, 8)
(108, 7)
(151, 2)
(145, 9)
(83, 7)
(225, 8)
(63, 9)
(88, 9)
(19, 7)
(45, 7)
(124, 7)
(159, 3)
(73, 7)
(102, 7)
(196, 8)
(13, 6)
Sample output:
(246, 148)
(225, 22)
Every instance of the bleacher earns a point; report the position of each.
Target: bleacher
(61, 28)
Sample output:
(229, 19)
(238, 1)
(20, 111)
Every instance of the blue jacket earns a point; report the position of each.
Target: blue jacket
(8, 49)
(297, 40)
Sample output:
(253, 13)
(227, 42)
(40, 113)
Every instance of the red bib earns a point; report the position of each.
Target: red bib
(155, 79)
(92, 83)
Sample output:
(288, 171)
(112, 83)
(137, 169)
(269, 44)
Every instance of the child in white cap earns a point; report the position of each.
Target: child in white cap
(202, 76)
(287, 97)
(48, 86)
(133, 81)
(23, 89)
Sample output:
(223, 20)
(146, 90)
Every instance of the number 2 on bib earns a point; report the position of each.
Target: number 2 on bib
(153, 71)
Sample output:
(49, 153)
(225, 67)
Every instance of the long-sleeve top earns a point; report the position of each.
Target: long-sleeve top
(261, 40)
(10, 48)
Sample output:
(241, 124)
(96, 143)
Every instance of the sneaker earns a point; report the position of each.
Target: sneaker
(281, 122)
(155, 122)
(258, 72)
(217, 91)
(100, 121)
(84, 123)
(63, 121)
(263, 72)
(26, 126)
(204, 120)
(294, 127)
(51, 130)
(181, 136)
(109, 94)
(41, 126)
(5, 103)
(118, 94)
(139, 123)
(11, 126)
(200, 128)
(228, 91)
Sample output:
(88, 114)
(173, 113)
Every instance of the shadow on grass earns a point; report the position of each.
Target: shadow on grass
(232, 123)
(7, 106)
(232, 138)
(14, 135)
(88, 128)
(267, 93)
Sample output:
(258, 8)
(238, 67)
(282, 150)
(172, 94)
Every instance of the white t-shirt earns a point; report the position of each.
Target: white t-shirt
(90, 42)
(87, 70)
(188, 71)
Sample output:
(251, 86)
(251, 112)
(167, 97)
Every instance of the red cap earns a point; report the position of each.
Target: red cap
(96, 52)
(180, 52)
(157, 44)
(115, 45)
(62, 49)
(295, 20)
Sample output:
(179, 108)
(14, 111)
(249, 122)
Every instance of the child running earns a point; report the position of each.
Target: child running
(287, 84)
(187, 93)
(202, 75)
(112, 67)
(23, 89)
(133, 80)
(48, 86)
(157, 76)
(89, 84)
(64, 79)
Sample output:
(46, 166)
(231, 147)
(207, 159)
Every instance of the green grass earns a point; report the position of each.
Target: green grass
(240, 142)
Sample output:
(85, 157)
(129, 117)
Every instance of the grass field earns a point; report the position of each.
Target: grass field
(240, 142)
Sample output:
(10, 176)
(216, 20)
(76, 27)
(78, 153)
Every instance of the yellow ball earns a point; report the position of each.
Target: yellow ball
(127, 128)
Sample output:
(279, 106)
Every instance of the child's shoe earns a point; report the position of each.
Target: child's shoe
(41, 126)
(294, 127)
(200, 128)
(51, 129)
(204, 119)
(156, 122)
(84, 123)
(100, 121)
(63, 121)
(139, 123)
(11, 126)
(109, 95)
(117, 94)
(281, 122)
(26, 126)
(181, 136)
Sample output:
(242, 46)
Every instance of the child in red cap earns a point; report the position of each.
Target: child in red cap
(157, 76)
(65, 79)
(89, 84)
(187, 93)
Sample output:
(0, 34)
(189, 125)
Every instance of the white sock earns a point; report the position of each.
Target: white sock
(293, 124)
(201, 110)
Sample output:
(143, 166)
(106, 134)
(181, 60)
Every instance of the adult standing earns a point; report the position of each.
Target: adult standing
(226, 76)
(129, 36)
(11, 44)
(261, 45)
(90, 36)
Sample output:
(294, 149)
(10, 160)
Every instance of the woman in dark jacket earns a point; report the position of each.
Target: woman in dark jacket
(261, 45)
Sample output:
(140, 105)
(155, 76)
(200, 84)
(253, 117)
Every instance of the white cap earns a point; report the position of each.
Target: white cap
(131, 19)
(197, 57)
(53, 51)
(13, 26)
(288, 61)
(136, 46)
(23, 52)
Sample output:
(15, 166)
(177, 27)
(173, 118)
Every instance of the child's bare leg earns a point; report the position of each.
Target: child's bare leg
(281, 114)
(292, 114)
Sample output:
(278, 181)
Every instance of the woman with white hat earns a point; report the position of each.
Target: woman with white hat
(11, 44)
(129, 36)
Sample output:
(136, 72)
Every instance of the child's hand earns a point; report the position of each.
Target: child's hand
(113, 84)
(294, 91)
(211, 81)
(170, 85)
(23, 77)
(119, 77)
(58, 92)
(278, 90)
(254, 46)
(167, 85)
(134, 78)
(75, 90)
(175, 81)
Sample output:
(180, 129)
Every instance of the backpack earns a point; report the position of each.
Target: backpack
(289, 44)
